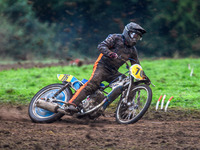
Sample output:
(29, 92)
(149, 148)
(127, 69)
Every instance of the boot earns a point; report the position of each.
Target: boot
(72, 108)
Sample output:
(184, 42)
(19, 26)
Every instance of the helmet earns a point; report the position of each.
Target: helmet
(132, 33)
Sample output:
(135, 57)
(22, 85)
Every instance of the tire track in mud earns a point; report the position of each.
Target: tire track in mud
(152, 132)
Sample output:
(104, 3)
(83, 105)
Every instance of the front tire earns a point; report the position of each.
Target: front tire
(40, 115)
(135, 107)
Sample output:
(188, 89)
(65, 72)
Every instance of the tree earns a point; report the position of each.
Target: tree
(174, 25)
(23, 35)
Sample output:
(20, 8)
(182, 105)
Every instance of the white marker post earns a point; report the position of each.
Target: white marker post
(157, 104)
(191, 72)
(168, 103)
(189, 66)
(162, 103)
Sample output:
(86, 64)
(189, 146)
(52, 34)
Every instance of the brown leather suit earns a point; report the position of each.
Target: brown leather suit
(105, 68)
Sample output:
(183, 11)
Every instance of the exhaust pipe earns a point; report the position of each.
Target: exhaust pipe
(47, 105)
(52, 107)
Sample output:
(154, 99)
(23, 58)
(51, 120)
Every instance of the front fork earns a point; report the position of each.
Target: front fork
(128, 90)
(126, 95)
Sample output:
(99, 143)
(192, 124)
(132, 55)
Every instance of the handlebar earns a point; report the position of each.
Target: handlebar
(127, 65)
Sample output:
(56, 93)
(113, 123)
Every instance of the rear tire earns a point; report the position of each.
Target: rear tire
(136, 107)
(40, 115)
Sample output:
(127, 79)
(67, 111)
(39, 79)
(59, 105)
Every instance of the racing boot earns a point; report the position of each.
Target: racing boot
(72, 108)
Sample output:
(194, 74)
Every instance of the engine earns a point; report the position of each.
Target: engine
(92, 100)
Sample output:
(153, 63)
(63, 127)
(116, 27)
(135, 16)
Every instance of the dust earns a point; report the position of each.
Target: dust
(14, 113)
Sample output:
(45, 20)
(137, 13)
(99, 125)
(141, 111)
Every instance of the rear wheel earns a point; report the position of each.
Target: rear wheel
(135, 107)
(41, 115)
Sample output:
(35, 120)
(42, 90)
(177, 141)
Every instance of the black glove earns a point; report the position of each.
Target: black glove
(113, 55)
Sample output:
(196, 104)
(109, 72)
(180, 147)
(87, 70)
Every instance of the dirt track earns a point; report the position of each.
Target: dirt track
(157, 130)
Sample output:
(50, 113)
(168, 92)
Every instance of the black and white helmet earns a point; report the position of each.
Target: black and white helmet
(132, 33)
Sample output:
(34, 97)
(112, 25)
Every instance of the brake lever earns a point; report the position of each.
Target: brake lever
(152, 84)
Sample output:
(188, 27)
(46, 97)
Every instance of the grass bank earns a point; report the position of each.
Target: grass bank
(170, 76)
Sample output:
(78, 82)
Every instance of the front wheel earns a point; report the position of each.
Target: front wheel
(40, 115)
(132, 110)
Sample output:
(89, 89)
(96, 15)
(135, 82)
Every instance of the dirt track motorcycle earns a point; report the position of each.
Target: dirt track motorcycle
(51, 102)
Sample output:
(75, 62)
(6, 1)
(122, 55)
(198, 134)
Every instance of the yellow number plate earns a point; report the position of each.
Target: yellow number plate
(137, 72)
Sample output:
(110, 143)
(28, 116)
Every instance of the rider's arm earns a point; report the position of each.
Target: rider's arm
(104, 47)
(135, 57)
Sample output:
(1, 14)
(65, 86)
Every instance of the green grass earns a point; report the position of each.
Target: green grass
(170, 76)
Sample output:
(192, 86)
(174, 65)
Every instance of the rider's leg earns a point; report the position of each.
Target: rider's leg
(89, 87)
(99, 74)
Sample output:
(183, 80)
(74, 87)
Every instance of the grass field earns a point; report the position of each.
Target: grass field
(170, 76)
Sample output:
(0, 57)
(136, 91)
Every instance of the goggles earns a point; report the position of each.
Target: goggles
(134, 34)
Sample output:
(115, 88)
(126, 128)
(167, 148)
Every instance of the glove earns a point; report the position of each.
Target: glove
(113, 55)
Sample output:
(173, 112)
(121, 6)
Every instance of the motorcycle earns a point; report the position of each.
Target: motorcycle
(51, 102)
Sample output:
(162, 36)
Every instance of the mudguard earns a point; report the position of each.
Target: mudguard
(66, 77)
(76, 84)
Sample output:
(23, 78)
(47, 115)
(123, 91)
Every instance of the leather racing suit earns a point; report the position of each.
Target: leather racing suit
(106, 68)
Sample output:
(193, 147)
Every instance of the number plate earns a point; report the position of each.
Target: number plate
(137, 72)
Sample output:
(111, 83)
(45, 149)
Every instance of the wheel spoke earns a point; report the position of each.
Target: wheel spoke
(133, 100)
(123, 115)
(129, 116)
(134, 111)
(138, 99)
(126, 117)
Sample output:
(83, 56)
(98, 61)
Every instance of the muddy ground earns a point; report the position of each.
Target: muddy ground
(175, 129)
(26, 65)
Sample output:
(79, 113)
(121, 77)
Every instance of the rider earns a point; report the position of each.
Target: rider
(107, 65)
